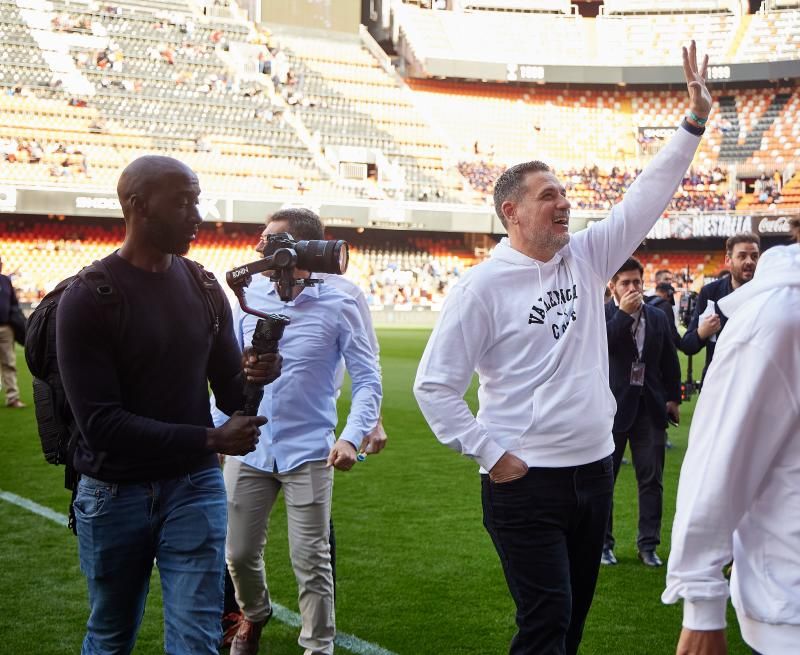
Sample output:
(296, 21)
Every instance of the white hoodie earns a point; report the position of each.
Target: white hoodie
(535, 333)
(739, 491)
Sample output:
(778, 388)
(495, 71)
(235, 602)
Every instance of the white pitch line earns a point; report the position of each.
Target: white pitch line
(36, 508)
(280, 613)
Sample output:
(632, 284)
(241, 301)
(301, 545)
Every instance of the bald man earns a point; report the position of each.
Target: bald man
(151, 487)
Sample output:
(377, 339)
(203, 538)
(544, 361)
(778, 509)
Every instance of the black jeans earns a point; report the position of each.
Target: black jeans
(648, 445)
(548, 529)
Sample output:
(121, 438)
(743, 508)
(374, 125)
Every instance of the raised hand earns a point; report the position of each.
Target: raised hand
(699, 96)
(631, 301)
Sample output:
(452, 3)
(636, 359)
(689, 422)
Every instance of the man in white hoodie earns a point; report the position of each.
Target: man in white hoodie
(739, 491)
(531, 322)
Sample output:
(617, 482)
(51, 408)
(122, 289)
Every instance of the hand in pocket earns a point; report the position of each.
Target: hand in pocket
(508, 468)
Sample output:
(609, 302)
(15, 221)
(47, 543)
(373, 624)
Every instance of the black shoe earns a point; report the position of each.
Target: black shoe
(649, 558)
(607, 558)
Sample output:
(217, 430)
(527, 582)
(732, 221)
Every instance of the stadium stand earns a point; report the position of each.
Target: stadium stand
(355, 103)
(168, 79)
(771, 35)
(398, 269)
(493, 126)
(86, 87)
(155, 77)
(643, 33)
(395, 269)
(690, 268)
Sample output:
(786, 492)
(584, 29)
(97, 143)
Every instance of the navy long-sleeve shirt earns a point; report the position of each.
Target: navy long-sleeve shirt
(138, 382)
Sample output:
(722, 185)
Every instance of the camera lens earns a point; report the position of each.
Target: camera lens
(322, 256)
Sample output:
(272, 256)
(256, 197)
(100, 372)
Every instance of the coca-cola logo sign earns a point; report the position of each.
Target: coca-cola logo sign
(778, 225)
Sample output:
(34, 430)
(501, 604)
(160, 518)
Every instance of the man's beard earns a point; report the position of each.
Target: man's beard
(556, 242)
(168, 240)
(739, 277)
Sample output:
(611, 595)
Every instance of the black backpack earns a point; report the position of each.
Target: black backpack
(58, 430)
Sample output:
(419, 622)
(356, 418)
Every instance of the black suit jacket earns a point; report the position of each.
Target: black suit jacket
(666, 306)
(691, 343)
(662, 380)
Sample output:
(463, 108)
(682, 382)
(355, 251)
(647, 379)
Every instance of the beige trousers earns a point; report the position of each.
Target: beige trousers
(8, 364)
(307, 492)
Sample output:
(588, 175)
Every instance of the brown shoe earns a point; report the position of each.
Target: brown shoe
(16, 404)
(246, 640)
(230, 626)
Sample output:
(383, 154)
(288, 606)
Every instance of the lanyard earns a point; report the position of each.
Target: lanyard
(635, 332)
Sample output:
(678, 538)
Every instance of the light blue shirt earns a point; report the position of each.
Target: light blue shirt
(301, 404)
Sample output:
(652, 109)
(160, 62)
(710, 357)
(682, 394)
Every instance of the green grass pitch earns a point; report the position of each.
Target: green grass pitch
(417, 573)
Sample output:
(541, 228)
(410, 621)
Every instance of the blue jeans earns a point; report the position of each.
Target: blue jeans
(180, 523)
(548, 529)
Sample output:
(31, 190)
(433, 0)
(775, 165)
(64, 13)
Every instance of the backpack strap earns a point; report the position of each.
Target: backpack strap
(97, 277)
(212, 292)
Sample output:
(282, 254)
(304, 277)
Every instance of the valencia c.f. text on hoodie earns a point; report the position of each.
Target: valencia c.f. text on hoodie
(535, 333)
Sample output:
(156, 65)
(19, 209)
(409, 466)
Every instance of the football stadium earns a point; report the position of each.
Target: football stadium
(391, 120)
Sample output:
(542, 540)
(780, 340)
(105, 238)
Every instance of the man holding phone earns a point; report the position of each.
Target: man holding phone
(741, 258)
(645, 379)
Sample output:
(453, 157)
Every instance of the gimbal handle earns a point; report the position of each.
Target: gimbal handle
(268, 332)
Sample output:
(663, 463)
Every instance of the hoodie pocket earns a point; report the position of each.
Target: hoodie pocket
(570, 405)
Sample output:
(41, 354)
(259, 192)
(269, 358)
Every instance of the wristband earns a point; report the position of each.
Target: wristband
(700, 121)
(692, 129)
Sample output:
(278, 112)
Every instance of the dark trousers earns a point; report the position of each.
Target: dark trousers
(647, 443)
(548, 530)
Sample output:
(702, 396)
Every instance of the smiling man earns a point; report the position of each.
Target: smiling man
(741, 257)
(531, 322)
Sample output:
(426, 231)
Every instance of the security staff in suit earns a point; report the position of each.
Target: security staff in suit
(664, 299)
(645, 379)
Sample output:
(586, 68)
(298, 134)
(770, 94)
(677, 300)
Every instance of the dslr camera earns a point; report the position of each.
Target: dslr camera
(282, 256)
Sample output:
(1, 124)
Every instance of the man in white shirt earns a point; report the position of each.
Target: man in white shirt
(531, 322)
(739, 491)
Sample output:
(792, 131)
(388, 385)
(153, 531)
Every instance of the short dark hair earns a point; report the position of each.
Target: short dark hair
(794, 228)
(631, 264)
(508, 185)
(742, 237)
(304, 225)
(660, 273)
(665, 287)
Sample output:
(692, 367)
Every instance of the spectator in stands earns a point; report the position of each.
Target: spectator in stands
(737, 495)
(530, 323)
(297, 448)
(8, 356)
(143, 413)
(645, 379)
(741, 256)
(202, 143)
